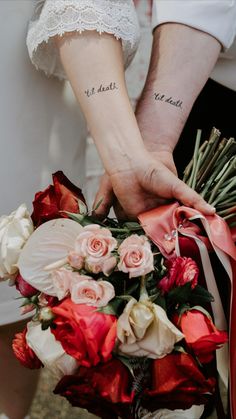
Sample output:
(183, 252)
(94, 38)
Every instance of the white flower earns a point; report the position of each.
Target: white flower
(46, 250)
(144, 330)
(49, 350)
(195, 412)
(15, 230)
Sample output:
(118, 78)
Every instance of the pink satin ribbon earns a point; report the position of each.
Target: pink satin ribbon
(163, 225)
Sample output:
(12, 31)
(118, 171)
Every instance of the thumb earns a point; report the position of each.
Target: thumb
(165, 184)
(104, 198)
(190, 198)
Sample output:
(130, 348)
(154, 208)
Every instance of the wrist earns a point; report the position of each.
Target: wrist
(120, 144)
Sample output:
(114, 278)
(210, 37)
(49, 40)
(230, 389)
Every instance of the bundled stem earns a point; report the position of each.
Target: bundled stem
(212, 173)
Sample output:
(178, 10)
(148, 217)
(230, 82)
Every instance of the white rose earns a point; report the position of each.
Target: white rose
(145, 330)
(50, 351)
(15, 230)
(195, 412)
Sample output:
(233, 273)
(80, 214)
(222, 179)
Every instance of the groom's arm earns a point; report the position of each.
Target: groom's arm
(188, 36)
(181, 62)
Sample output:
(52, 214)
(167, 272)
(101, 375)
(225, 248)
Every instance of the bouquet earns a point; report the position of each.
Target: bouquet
(122, 313)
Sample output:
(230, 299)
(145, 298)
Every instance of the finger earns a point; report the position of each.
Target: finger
(104, 198)
(119, 211)
(189, 197)
(165, 184)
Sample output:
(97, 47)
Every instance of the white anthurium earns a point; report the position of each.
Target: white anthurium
(50, 351)
(47, 249)
(195, 412)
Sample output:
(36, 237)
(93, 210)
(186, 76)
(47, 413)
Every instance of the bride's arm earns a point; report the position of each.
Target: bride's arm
(94, 65)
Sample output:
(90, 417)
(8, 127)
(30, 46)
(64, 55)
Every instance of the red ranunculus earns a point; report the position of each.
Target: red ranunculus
(24, 353)
(180, 271)
(200, 333)
(104, 390)
(24, 288)
(61, 196)
(85, 333)
(177, 383)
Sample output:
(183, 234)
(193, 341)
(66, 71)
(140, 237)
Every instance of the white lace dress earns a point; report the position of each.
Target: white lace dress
(42, 129)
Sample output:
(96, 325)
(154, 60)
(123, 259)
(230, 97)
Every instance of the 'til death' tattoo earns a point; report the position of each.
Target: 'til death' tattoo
(101, 89)
(168, 99)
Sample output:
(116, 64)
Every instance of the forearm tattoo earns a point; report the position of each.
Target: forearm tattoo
(101, 89)
(168, 99)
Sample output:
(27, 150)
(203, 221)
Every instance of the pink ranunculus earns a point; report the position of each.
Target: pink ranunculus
(180, 271)
(91, 292)
(62, 279)
(136, 257)
(95, 245)
(45, 300)
(27, 309)
(75, 260)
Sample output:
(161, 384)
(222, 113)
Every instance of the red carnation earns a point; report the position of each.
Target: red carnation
(104, 390)
(85, 333)
(177, 383)
(181, 270)
(23, 352)
(200, 334)
(24, 288)
(61, 196)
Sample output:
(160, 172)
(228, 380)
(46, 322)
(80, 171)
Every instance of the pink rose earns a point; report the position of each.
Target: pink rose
(180, 271)
(91, 292)
(75, 260)
(95, 245)
(62, 279)
(136, 256)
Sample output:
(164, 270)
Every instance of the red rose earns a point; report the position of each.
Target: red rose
(180, 271)
(85, 333)
(104, 390)
(61, 196)
(177, 383)
(200, 334)
(24, 288)
(24, 353)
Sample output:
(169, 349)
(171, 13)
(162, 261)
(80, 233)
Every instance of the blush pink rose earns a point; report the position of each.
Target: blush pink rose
(62, 279)
(180, 271)
(136, 257)
(75, 260)
(95, 245)
(91, 292)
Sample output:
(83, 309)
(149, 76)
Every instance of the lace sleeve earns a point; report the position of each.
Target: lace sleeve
(56, 17)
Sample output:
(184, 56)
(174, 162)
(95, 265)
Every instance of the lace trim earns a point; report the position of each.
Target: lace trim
(117, 17)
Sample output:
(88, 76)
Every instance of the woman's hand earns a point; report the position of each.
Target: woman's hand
(149, 182)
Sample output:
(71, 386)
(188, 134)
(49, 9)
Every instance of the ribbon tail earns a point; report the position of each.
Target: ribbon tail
(222, 357)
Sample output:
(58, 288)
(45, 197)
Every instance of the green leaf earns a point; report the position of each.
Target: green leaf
(108, 309)
(181, 294)
(160, 301)
(200, 296)
(98, 204)
(132, 226)
(113, 306)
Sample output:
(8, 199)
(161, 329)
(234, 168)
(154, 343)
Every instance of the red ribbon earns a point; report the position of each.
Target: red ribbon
(162, 224)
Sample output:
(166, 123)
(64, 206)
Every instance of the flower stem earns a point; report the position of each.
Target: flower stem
(195, 158)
